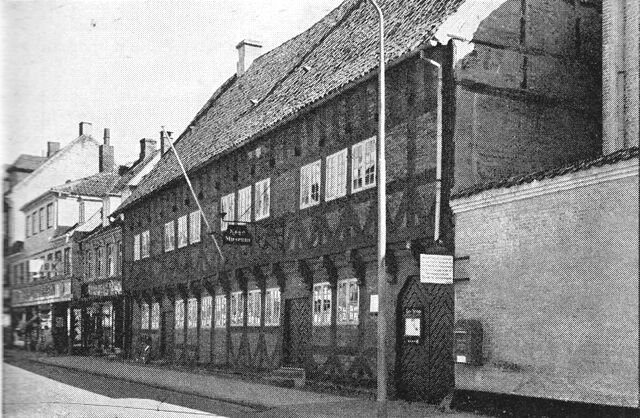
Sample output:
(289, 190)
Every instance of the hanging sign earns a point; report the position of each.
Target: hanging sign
(237, 234)
(436, 269)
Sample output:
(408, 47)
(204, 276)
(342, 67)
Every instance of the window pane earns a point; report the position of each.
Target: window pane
(194, 227)
(169, 236)
(244, 204)
(182, 231)
(227, 205)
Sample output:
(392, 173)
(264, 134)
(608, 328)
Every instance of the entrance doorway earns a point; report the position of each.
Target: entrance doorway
(297, 331)
(425, 341)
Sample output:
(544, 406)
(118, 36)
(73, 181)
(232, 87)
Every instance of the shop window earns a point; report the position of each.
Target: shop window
(194, 227)
(144, 316)
(183, 239)
(155, 315)
(106, 316)
(221, 311)
(254, 306)
(244, 204)
(348, 302)
(321, 304)
(179, 314)
(237, 309)
(227, 206)
(336, 179)
(262, 198)
(205, 312)
(310, 185)
(145, 244)
(363, 165)
(136, 247)
(272, 307)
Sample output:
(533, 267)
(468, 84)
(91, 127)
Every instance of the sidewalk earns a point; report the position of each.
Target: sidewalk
(269, 401)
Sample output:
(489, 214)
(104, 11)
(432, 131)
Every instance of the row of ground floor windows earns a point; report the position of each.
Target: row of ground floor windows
(348, 299)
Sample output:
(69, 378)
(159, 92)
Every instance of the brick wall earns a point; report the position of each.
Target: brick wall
(554, 281)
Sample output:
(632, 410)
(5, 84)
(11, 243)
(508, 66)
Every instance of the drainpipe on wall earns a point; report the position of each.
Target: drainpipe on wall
(436, 226)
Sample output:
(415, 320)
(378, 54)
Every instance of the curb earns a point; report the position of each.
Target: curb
(253, 405)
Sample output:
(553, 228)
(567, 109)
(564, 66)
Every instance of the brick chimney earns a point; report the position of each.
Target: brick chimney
(248, 50)
(163, 142)
(85, 129)
(147, 147)
(106, 160)
(52, 148)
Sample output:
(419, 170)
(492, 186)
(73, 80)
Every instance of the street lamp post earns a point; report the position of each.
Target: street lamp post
(382, 229)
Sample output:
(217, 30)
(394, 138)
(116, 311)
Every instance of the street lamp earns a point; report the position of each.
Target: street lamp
(382, 229)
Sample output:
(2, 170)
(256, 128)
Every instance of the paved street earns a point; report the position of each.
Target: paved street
(27, 394)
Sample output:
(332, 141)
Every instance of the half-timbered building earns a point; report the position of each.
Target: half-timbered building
(287, 147)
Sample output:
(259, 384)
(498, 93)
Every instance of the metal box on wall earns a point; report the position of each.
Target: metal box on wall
(468, 342)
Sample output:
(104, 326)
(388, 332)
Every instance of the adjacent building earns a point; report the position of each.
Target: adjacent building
(287, 148)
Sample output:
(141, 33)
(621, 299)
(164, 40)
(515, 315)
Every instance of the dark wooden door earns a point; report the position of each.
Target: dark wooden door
(297, 336)
(425, 341)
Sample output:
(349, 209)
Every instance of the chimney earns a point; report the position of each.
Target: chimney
(163, 142)
(248, 50)
(147, 147)
(52, 148)
(85, 128)
(106, 159)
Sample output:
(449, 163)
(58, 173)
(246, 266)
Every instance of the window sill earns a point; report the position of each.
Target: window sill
(367, 187)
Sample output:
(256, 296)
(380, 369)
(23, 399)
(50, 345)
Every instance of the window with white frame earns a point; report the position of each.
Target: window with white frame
(155, 315)
(205, 312)
(145, 244)
(348, 302)
(192, 313)
(179, 314)
(321, 304)
(310, 185)
(244, 204)
(237, 309)
(262, 198)
(220, 316)
(182, 231)
(194, 227)
(228, 207)
(144, 315)
(169, 236)
(254, 306)
(363, 165)
(272, 307)
(336, 179)
(136, 247)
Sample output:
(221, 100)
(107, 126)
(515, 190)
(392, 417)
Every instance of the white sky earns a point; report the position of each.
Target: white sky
(129, 66)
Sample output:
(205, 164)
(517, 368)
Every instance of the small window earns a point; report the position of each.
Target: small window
(155, 315)
(144, 316)
(34, 223)
(192, 313)
(237, 309)
(27, 225)
(41, 219)
(67, 261)
(254, 306)
(221, 311)
(50, 215)
(348, 302)
(145, 244)
(272, 307)
(136, 247)
(110, 261)
(182, 231)
(99, 261)
(169, 236)
(321, 304)
(179, 314)
(363, 165)
(194, 227)
(336, 179)
(262, 199)
(310, 185)
(89, 263)
(205, 312)
(227, 206)
(244, 204)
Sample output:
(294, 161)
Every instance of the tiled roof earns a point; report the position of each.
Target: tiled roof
(338, 50)
(131, 172)
(99, 185)
(622, 155)
(27, 162)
